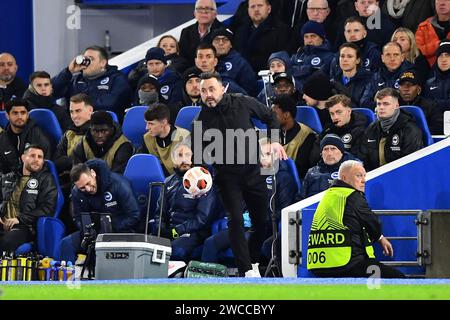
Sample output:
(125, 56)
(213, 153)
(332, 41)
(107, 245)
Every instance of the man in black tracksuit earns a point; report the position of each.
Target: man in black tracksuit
(238, 175)
(395, 133)
(20, 131)
(26, 195)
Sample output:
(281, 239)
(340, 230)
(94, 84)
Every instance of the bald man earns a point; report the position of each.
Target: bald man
(344, 228)
(10, 85)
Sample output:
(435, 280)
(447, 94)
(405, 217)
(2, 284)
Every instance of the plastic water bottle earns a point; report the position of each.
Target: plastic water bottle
(70, 271)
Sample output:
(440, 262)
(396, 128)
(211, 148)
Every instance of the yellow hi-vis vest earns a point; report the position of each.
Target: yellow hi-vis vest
(292, 147)
(109, 156)
(72, 140)
(329, 242)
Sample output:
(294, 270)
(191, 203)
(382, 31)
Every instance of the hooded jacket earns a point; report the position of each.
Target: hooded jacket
(12, 145)
(36, 100)
(380, 80)
(171, 89)
(121, 156)
(109, 91)
(114, 196)
(403, 138)
(321, 176)
(36, 200)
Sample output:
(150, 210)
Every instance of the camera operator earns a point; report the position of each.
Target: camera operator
(97, 189)
(90, 73)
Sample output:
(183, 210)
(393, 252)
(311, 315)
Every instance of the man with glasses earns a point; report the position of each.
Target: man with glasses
(205, 13)
(105, 141)
(262, 35)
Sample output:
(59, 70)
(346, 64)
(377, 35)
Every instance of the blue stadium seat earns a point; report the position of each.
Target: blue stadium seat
(421, 122)
(185, 117)
(133, 126)
(114, 116)
(308, 115)
(49, 230)
(47, 121)
(259, 124)
(369, 114)
(141, 170)
(3, 119)
(293, 171)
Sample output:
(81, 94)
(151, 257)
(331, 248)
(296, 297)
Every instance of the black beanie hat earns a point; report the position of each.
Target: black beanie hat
(101, 117)
(148, 78)
(318, 86)
(444, 46)
(224, 32)
(334, 140)
(192, 72)
(156, 53)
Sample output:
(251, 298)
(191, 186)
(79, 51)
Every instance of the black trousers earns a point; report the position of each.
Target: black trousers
(362, 269)
(11, 240)
(247, 186)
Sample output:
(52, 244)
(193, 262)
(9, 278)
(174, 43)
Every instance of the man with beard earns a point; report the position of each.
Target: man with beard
(161, 136)
(40, 95)
(105, 141)
(185, 219)
(20, 132)
(104, 84)
(10, 85)
(26, 195)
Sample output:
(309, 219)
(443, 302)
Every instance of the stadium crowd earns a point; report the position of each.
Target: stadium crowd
(333, 56)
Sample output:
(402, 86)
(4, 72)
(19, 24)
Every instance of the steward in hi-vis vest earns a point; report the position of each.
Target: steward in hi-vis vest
(344, 228)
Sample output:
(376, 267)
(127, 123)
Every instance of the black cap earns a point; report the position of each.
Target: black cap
(224, 32)
(410, 76)
(283, 75)
(148, 78)
(192, 72)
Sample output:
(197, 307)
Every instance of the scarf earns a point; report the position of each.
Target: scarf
(396, 8)
(386, 124)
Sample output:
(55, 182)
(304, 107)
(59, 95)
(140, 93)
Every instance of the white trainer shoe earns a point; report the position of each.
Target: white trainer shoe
(254, 272)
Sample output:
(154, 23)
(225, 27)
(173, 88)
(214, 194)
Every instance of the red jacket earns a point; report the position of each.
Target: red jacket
(427, 40)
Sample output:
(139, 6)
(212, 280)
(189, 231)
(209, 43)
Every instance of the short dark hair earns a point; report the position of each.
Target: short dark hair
(352, 46)
(387, 92)
(15, 102)
(81, 97)
(157, 111)
(39, 74)
(286, 104)
(102, 51)
(33, 146)
(355, 19)
(338, 98)
(210, 75)
(204, 46)
(77, 170)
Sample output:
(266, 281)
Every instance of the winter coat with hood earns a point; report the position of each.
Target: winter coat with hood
(170, 83)
(428, 36)
(114, 196)
(108, 91)
(12, 145)
(36, 100)
(121, 156)
(403, 138)
(437, 88)
(36, 200)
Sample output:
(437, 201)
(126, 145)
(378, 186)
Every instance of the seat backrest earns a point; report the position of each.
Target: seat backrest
(114, 116)
(421, 122)
(308, 115)
(3, 119)
(185, 117)
(259, 124)
(133, 126)
(293, 171)
(369, 114)
(47, 121)
(60, 195)
(141, 170)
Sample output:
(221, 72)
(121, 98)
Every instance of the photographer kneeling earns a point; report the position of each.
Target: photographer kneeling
(97, 189)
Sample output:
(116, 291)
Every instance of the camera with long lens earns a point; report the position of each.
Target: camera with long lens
(82, 60)
(90, 234)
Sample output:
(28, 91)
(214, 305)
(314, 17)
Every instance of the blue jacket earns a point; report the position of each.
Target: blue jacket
(380, 80)
(310, 59)
(437, 88)
(354, 89)
(114, 195)
(171, 86)
(320, 177)
(234, 67)
(185, 213)
(108, 92)
(286, 189)
(370, 59)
